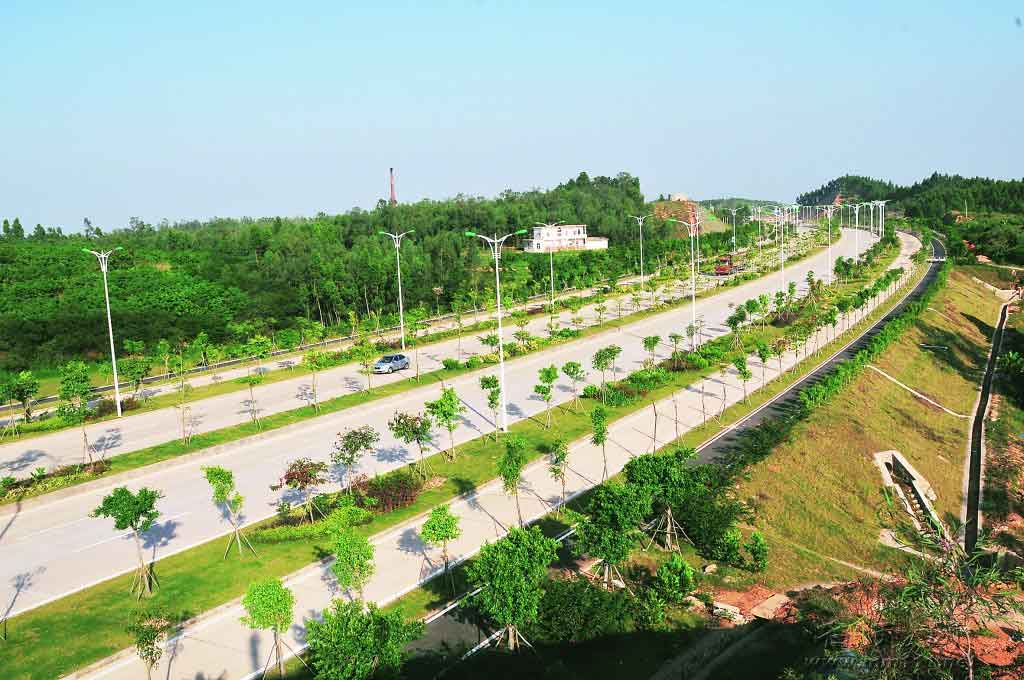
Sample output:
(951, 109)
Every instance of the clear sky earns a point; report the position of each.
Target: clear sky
(181, 110)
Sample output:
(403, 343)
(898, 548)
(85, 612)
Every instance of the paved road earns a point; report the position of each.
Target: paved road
(220, 646)
(55, 549)
(142, 430)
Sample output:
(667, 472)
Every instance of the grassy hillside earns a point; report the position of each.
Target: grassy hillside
(818, 497)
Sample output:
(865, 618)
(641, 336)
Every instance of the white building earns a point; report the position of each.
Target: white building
(563, 237)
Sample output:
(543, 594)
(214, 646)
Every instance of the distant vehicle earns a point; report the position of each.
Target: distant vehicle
(724, 266)
(391, 363)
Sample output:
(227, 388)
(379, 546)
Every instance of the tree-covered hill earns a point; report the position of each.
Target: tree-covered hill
(933, 197)
(233, 277)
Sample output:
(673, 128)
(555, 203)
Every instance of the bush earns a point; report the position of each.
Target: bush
(649, 610)
(104, 407)
(727, 548)
(575, 610)
(619, 395)
(389, 492)
(474, 362)
(648, 379)
(675, 579)
(757, 547)
(451, 364)
(591, 392)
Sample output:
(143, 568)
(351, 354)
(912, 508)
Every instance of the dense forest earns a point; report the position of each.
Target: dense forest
(933, 197)
(232, 278)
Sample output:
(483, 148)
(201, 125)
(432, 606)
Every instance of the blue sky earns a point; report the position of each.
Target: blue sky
(186, 111)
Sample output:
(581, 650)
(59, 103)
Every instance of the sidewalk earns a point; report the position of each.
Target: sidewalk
(219, 646)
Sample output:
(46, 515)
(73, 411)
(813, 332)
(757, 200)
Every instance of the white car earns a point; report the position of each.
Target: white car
(391, 363)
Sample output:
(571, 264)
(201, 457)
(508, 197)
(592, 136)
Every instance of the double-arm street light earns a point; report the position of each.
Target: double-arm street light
(692, 228)
(829, 209)
(495, 245)
(856, 227)
(640, 219)
(551, 263)
(102, 256)
(397, 239)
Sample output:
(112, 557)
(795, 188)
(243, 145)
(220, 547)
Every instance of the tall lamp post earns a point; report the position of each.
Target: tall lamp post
(102, 256)
(640, 219)
(856, 227)
(397, 240)
(829, 209)
(495, 245)
(551, 262)
(734, 211)
(782, 244)
(881, 217)
(692, 228)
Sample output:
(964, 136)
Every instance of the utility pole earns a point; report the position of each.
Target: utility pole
(397, 239)
(102, 256)
(495, 245)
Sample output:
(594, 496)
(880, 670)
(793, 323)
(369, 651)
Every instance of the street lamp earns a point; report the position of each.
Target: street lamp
(495, 244)
(551, 262)
(102, 257)
(692, 229)
(733, 211)
(397, 240)
(640, 223)
(829, 209)
(856, 227)
(782, 244)
(881, 217)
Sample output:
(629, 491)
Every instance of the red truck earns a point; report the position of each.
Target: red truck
(724, 266)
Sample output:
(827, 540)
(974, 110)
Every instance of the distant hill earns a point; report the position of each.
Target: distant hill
(935, 197)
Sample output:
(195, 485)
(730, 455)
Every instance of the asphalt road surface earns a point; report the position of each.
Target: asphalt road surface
(53, 549)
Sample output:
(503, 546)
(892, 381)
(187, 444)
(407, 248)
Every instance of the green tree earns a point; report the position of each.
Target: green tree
(558, 463)
(269, 605)
(23, 389)
(315, 361)
(490, 385)
(410, 428)
(764, 353)
(511, 574)
(743, 371)
(440, 529)
(602, 361)
(135, 511)
(366, 354)
(304, 475)
(651, 343)
(545, 390)
(149, 628)
(227, 497)
(599, 436)
(610, 528)
(350, 446)
(353, 643)
(353, 560)
(446, 411)
(75, 388)
(510, 468)
(574, 371)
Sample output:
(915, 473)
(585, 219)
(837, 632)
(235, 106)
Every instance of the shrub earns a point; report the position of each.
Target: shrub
(104, 407)
(648, 379)
(7, 483)
(649, 610)
(591, 392)
(619, 395)
(451, 364)
(575, 610)
(727, 548)
(474, 362)
(675, 579)
(389, 492)
(757, 547)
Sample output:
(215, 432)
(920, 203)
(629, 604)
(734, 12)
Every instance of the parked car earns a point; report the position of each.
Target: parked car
(391, 363)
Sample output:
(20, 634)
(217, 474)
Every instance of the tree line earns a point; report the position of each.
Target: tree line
(231, 279)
